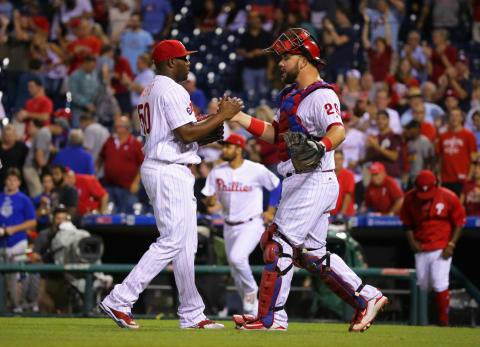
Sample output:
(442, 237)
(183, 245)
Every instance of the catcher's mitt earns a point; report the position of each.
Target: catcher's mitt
(305, 153)
(213, 136)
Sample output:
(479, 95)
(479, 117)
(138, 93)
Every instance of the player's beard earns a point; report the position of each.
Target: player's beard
(228, 158)
(291, 77)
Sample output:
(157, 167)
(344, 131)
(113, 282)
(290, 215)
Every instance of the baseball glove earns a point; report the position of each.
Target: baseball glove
(213, 136)
(305, 153)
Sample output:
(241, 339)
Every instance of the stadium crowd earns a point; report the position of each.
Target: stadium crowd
(72, 71)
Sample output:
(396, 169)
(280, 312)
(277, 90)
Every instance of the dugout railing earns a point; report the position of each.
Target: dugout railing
(418, 299)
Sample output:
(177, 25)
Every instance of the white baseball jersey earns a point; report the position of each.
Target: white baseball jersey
(240, 190)
(353, 149)
(164, 106)
(318, 111)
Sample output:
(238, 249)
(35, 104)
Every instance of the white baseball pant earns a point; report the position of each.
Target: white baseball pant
(302, 217)
(240, 241)
(432, 270)
(170, 188)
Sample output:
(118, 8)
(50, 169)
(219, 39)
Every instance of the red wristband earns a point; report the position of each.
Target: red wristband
(328, 144)
(256, 127)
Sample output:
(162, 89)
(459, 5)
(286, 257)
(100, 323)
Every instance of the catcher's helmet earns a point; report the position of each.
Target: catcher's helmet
(298, 41)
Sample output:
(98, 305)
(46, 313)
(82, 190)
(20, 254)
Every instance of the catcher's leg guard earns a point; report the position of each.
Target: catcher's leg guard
(330, 278)
(271, 277)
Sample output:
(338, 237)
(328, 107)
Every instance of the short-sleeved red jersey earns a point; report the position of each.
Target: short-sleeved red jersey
(90, 191)
(346, 182)
(471, 190)
(432, 221)
(456, 147)
(122, 161)
(40, 104)
(382, 197)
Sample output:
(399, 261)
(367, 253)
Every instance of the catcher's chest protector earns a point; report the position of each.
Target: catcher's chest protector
(290, 99)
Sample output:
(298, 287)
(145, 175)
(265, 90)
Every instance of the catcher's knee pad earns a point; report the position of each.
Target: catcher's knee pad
(271, 282)
(267, 235)
(330, 278)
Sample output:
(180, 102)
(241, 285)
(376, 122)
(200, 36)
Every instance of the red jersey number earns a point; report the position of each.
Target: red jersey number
(329, 109)
(144, 116)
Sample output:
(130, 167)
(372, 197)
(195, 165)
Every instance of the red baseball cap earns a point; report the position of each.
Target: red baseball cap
(462, 58)
(41, 23)
(426, 185)
(346, 115)
(167, 49)
(451, 92)
(75, 23)
(236, 139)
(376, 168)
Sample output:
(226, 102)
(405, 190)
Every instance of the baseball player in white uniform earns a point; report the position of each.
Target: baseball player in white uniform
(237, 184)
(308, 122)
(171, 133)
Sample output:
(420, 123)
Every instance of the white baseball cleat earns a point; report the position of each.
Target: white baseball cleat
(124, 320)
(207, 324)
(250, 304)
(364, 318)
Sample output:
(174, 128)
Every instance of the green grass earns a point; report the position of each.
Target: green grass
(51, 332)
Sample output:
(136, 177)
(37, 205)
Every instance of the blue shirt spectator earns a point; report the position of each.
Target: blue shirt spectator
(6, 9)
(135, 41)
(157, 16)
(74, 156)
(17, 213)
(432, 111)
(377, 22)
(197, 96)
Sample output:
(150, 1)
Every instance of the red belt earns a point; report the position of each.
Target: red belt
(238, 223)
(293, 173)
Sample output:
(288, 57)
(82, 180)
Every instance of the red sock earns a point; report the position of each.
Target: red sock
(443, 306)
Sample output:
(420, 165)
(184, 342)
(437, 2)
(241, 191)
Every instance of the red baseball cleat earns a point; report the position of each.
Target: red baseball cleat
(124, 320)
(207, 324)
(245, 323)
(242, 319)
(364, 318)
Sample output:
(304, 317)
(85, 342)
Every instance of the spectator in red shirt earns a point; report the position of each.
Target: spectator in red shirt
(120, 89)
(386, 147)
(456, 148)
(39, 106)
(442, 57)
(346, 194)
(434, 219)
(383, 194)
(121, 157)
(400, 82)
(92, 197)
(470, 196)
(380, 58)
(85, 44)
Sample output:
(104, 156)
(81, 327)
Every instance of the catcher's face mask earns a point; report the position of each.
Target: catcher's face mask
(297, 41)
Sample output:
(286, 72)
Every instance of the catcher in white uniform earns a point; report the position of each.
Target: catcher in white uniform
(237, 184)
(171, 135)
(307, 128)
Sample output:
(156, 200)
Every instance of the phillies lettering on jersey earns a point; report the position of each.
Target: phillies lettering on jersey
(232, 186)
(240, 191)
